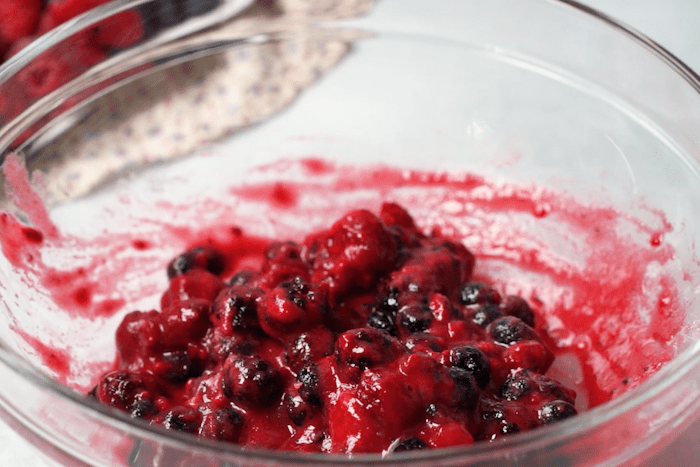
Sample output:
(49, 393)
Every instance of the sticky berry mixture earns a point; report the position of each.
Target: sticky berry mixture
(370, 336)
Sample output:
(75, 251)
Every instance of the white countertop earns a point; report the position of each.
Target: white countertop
(671, 23)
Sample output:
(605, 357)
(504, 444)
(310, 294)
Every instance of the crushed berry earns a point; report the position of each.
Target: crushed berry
(370, 336)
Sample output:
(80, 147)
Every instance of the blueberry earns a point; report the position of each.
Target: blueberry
(475, 292)
(143, 408)
(366, 347)
(556, 411)
(201, 257)
(509, 330)
(424, 342)
(297, 409)
(384, 316)
(518, 307)
(473, 360)
(225, 425)
(120, 389)
(236, 307)
(176, 367)
(309, 390)
(466, 388)
(185, 419)
(483, 314)
(414, 318)
(249, 378)
(517, 386)
(243, 277)
(410, 444)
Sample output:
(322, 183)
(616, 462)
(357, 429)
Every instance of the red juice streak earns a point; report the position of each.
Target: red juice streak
(58, 360)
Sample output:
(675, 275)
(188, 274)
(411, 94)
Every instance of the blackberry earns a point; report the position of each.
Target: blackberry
(518, 307)
(410, 444)
(556, 411)
(473, 360)
(249, 378)
(476, 293)
(201, 257)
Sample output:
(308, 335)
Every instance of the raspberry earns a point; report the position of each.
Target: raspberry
(63, 10)
(424, 342)
(184, 321)
(291, 308)
(119, 31)
(366, 347)
(19, 19)
(196, 283)
(201, 257)
(352, 254)
(309, 347)
(137, 335)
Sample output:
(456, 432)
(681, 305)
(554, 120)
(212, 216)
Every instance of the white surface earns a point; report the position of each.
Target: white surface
(671, 23)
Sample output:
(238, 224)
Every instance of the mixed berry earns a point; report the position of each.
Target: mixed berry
(370, 336)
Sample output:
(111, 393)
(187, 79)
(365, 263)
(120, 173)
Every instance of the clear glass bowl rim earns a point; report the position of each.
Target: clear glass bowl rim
(665, 378)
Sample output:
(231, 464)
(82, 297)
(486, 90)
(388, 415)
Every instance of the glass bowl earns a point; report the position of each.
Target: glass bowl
(145, 142)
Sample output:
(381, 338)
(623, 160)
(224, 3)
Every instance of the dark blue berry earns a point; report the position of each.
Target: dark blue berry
(176, 367)
(236, 307)
(517, 386)
(476, 293)
(466, 388)
(473, 360)
(366, 347)
(185, 419)
(249, 378)
(509, 330)
(201, 257)
(414, 318)
(225, 425)
(518, 307)
(556, 411)
(297, 409)
(483, 314)
(410, 444)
